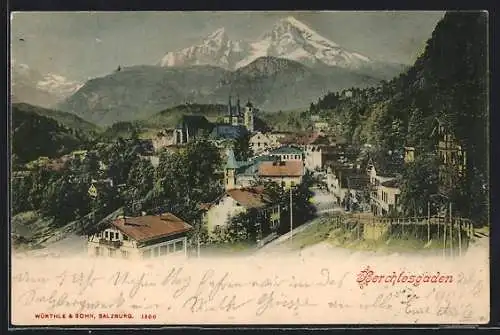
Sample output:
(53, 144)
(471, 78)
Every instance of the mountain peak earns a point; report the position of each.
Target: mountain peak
(219, 33)
(289, 38)
(296, 23)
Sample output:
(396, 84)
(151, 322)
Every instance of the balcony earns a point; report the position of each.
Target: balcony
(115, 244)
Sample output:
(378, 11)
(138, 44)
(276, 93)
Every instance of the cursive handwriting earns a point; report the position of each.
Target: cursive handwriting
(63, 299)
(226, 304)
(267, 301)
(125, 278)
(175, 279)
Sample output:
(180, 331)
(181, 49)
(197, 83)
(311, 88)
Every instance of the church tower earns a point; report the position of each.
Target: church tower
(236, 113)
(229, 116)
(230, 170)
(249, 117)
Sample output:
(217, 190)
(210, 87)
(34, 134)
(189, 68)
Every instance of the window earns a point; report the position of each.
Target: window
(258, 144)
(125, 237)
(155, 252)
(106, 234)
(179, 246)
(170, 247)
(163, 250)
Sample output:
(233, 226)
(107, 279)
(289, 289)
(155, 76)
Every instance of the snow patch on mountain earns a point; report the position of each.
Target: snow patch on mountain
(289, 38)
(57, 84)
(216, 49)
(30, 85)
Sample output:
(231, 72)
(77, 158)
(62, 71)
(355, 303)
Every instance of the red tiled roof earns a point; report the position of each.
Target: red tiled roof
(145, 228)
(281, 169)
(249, 197)
(301, 139)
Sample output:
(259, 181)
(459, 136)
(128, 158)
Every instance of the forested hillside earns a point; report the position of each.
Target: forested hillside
(448, 83)
(67, 119)
(34, 135)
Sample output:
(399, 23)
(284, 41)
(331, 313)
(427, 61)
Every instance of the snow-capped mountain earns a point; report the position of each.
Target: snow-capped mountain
(31, 86)
(216, 49)
(58, 85)
(289, 38)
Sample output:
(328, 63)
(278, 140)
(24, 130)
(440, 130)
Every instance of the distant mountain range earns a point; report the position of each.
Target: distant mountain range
(46, 90)
(271, 83)
(289, 39)
(288, 68)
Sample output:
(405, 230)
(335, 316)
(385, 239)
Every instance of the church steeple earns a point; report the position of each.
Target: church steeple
(229, 108)
(230, 170)
(238, 108)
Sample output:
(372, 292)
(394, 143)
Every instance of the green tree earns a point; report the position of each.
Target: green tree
(242, 150)
(419, 184)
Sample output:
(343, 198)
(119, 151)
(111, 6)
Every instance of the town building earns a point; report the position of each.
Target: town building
(385, 172)
(283, 168)
(163, 139)
(287, 153)
(312, 145)
(409, 155)
(385, 199)
(217, 214)
(261, 142)
(347, 184)
(321, 127)
(141, 237)
(287, 173)
(452, 158)
(190, 128)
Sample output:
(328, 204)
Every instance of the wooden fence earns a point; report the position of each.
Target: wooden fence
(453, 233)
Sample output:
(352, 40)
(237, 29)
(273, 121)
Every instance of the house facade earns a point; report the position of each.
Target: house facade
(217, 215)
(141, 237)
(384, 186)
(287, 153)
(313, 157)
(386, 198)
(287, 173)
(261, 142)
(452, 158)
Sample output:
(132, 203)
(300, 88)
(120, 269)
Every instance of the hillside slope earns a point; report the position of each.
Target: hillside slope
(67, 119)
(34, 135)
(447, 84)
(140, 92)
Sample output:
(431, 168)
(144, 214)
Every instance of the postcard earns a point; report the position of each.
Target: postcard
(249, 168)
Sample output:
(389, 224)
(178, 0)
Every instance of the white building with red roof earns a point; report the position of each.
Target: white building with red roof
(141, 237)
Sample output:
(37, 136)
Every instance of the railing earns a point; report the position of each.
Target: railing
(115, 244)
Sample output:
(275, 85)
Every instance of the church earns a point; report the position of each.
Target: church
(236, 116)
(236, 123)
